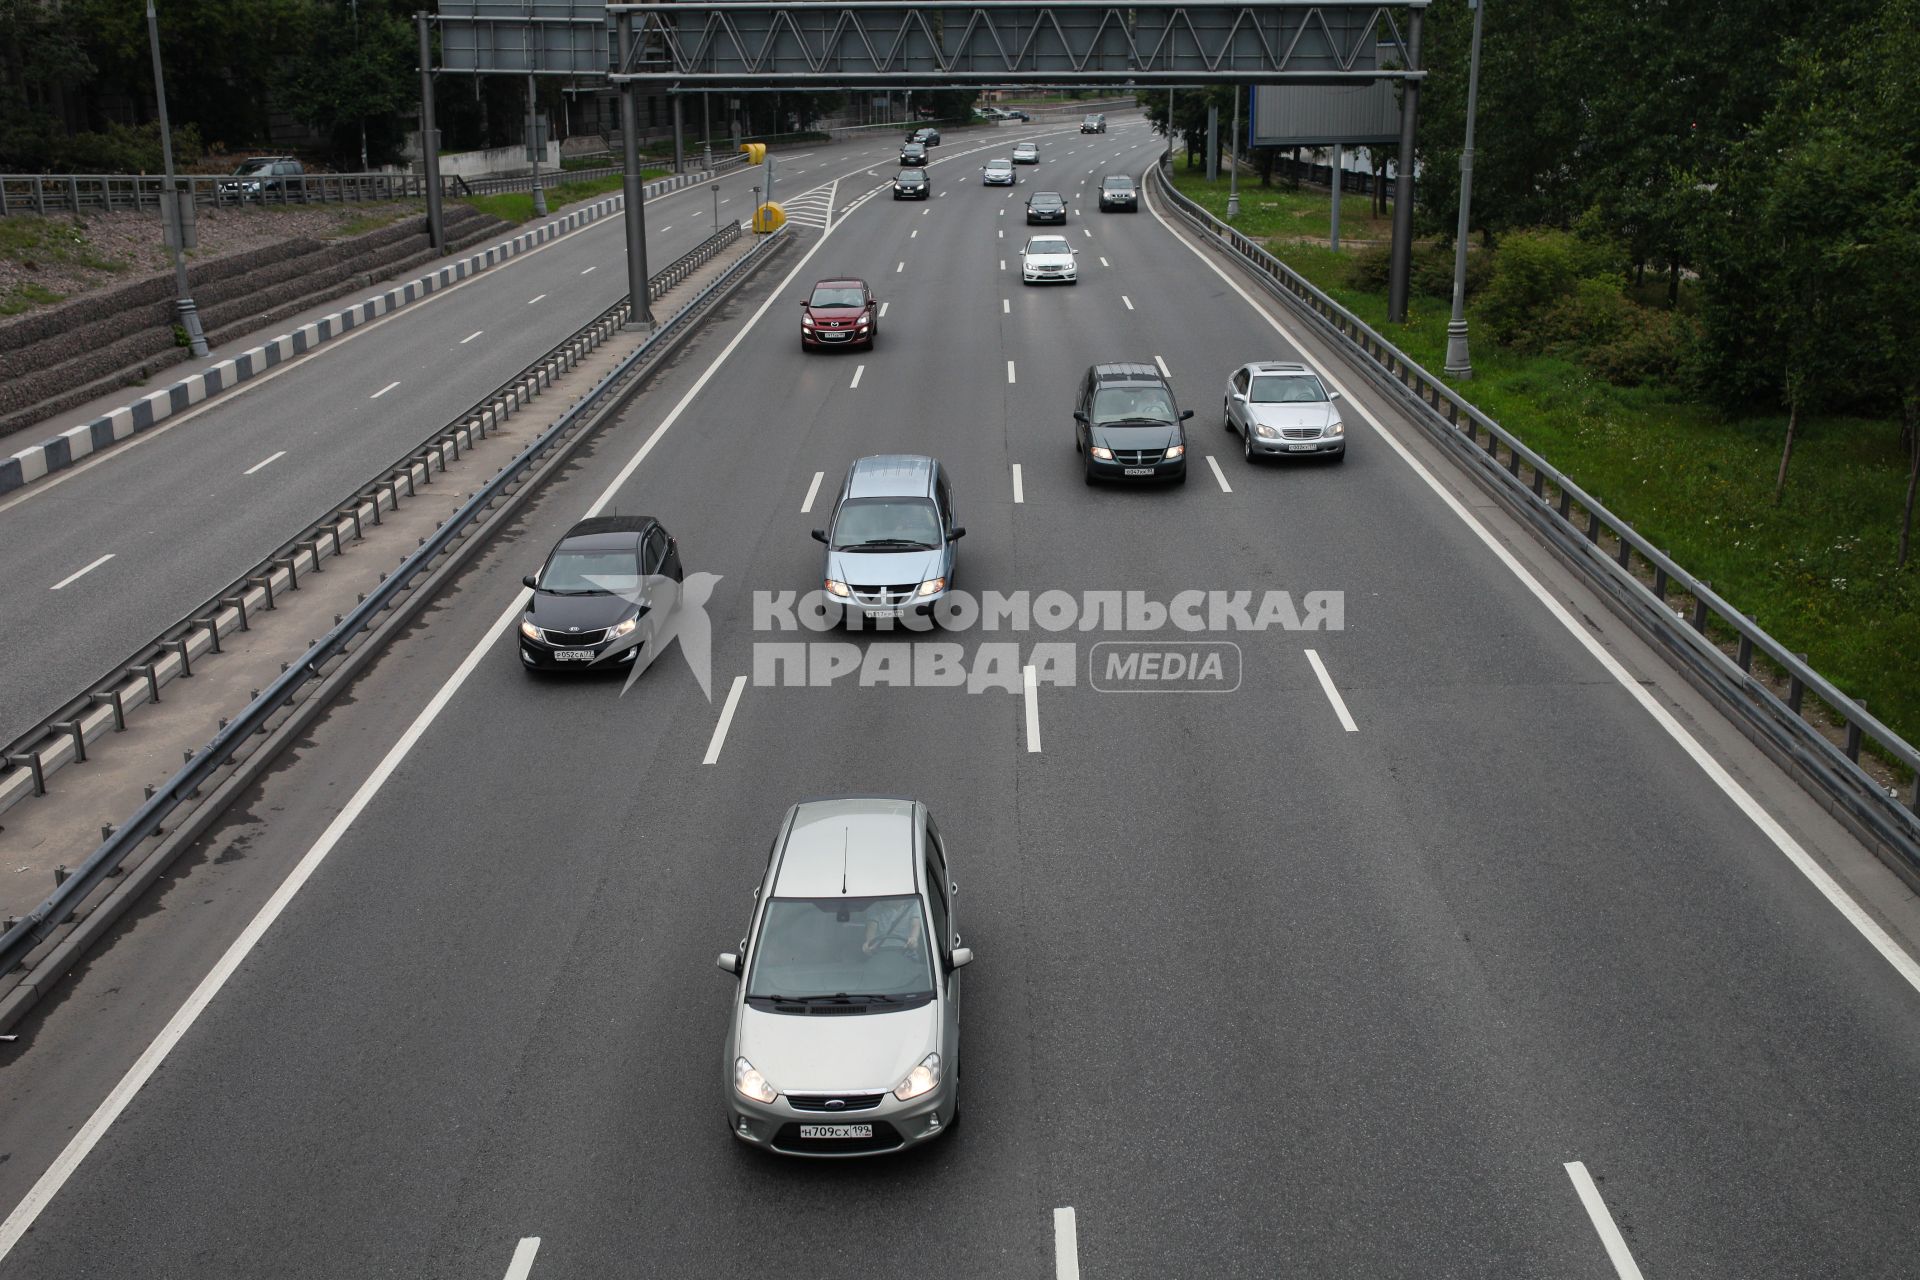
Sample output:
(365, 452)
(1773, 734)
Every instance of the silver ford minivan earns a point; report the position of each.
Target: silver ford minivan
(845, 1036)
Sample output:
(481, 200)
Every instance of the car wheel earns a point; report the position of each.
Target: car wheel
(1226, 416)
(1252, 458)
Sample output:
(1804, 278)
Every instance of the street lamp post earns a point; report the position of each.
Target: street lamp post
(189, 314)
(1458, 364)
(1233, 160)
(536, 143)
(356, 54)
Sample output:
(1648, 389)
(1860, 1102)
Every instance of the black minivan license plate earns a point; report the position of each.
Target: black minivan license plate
(836, 1131)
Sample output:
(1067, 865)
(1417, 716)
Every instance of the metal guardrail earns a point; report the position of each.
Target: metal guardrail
(1583, 526)
(22, 937)
(63, 737)
(105, 192)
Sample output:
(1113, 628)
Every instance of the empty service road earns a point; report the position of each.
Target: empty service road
(1423, 951)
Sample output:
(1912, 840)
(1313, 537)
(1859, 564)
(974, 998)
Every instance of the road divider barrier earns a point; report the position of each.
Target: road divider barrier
(1762, 684)
(70, 446)
(300, 693)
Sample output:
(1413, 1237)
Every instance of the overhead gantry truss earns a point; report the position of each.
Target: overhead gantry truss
(759, 44)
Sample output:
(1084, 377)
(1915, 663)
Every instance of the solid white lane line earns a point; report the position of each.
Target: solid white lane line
(1019, 493)
(813, 491)
(1830, 889)
(1066, 1241)
(382, 391)
(22, 1218)
(263, 462)
(857, 371)
(1164, 371)
(1009, 371)
(1005, 308)
(1333, 694)
(590, 270)
(1617, 1251)
(1032, 687)
(535, 298)
(726, 718)
(470, 337)
(1129, 301)
(74, 577)
(522, 1264)
(883, 309)
(1218, 474)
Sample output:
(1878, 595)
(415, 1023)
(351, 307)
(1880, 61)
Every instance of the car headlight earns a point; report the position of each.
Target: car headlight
(863, 324)
(1337, 429)
(922, 1079)
(1177, 451)
(835, 588)
(529, 629)
(805, 323)
(623, 628)
(749, 1083)
(1101, 452)
(933, 586)
(1266, 433)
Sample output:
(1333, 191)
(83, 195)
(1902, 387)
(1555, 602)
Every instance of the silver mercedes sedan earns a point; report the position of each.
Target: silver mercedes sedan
(845, 1035)
(1283, 410)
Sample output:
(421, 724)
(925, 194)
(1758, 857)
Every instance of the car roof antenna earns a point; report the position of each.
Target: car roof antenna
(843, 858)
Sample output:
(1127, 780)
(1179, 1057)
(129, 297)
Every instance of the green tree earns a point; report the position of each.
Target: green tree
(358, 73)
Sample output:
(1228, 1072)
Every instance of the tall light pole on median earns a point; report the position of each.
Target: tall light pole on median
(1458, 364)
(1233, 160)
(176, 238)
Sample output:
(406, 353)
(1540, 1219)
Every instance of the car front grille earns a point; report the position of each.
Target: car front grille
(574, 639)
(1300, 433)
(888, 596)
(848, 1101)
(1138, 457)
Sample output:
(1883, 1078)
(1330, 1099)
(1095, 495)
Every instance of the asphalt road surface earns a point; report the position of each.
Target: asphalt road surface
(1426, 952)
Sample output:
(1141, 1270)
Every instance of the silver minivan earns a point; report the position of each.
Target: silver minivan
(890, 540)
(845, 1035)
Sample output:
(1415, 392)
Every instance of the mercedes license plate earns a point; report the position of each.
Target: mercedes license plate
(836, 1131)
(1139, 471)
(1300, 448)
(573, 655)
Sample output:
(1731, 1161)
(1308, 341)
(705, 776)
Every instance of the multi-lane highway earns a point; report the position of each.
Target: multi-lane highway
(101, 557)
(1430, 950)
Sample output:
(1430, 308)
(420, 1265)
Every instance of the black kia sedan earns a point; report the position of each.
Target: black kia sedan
(593, 601)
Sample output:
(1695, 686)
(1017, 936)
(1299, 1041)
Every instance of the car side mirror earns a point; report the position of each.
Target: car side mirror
(530, 581)
(1240, 396)
(729, 961)
(1079, 417)
(1185, 414)
(960, 958)
(819, 535)
(1333, 395)
(957, 533)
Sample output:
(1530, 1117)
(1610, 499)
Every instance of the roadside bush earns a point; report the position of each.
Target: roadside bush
(1651, 346)
(1432, 269)
(1534, 271)
(122, 148)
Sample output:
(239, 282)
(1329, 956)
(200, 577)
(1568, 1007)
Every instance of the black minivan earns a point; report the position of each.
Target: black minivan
(1127, 426)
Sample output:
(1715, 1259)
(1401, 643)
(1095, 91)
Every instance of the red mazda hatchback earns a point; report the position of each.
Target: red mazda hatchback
(839, 313)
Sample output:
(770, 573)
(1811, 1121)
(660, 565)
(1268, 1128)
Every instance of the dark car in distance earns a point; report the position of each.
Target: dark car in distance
(1127, 425)
(1095, 123)
(1118, 192)
(839, 313)
(911, 184)
(257, 175)
(926, 134)
(600, 595)
(1046, 206)
(913, 153)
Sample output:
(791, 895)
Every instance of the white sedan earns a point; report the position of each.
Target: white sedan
(1045, 258)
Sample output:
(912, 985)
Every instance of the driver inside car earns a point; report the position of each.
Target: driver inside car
(886, 921)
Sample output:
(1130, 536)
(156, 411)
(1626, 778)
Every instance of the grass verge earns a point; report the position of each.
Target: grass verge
(517, 206)
(1816, 571)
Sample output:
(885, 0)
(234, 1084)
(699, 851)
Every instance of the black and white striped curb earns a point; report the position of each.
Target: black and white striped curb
(75, 443)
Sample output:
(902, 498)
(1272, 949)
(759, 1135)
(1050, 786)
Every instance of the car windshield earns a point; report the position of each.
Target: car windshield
(1052, 244)
(836, 296)
(1133, 404)
(1046, 198)
(999, 166)
(886, 524)
(1025, 149)
(1294, 390)
(589, 573)
(1118, 184)
(830, 948)
(253, 166)
(911, 176)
